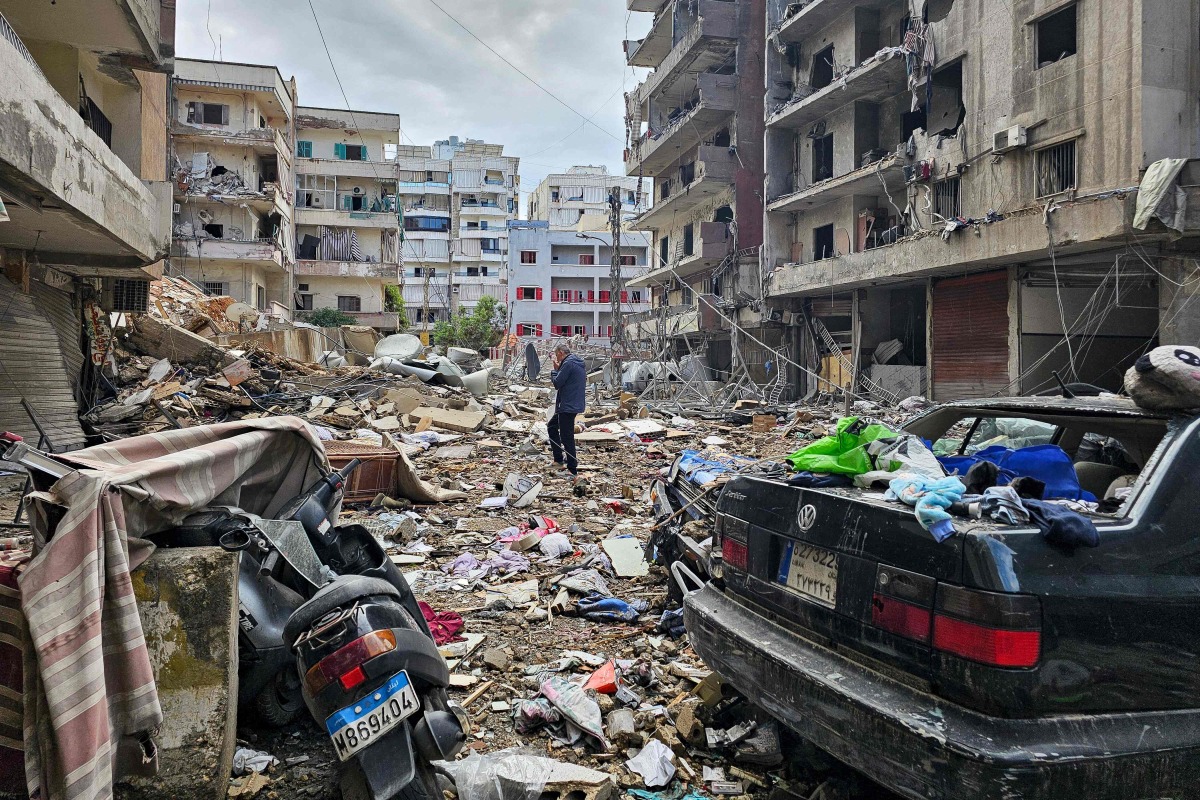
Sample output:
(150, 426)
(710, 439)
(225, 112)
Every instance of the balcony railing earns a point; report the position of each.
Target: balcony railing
(413, 187)
(8, 33)
(494, 181)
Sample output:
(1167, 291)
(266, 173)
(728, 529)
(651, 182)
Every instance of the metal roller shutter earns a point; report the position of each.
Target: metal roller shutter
(32, 367)
(969, 327)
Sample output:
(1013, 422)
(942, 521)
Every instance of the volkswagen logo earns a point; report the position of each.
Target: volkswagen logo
(807, 517)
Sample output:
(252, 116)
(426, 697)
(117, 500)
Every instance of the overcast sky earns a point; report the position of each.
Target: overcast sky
(406, 57)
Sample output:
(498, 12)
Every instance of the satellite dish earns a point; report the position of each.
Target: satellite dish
(238, 313)
(401, 346)
(533, 364)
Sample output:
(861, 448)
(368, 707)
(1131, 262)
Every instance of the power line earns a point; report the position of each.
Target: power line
(587, 120)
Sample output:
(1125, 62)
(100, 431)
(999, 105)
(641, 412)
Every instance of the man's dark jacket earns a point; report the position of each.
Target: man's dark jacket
(571, 381)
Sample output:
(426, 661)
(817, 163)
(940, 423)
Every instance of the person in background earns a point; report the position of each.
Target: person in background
(569, 377)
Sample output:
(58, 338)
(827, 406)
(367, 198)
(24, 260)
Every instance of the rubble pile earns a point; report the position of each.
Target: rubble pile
(549, 598)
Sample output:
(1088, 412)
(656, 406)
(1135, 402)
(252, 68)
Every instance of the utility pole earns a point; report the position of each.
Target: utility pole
(617, 339)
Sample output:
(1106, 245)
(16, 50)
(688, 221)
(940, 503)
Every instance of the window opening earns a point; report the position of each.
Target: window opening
(1056, 169)
(822, 68)
(1057, 36)
(822, 158)
(823, 242)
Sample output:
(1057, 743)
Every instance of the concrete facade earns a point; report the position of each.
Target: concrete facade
(234, 236)
(1035, 120)
(559, 281)
(457, 198)
(696, 128)
(577, 199)
(346, 181)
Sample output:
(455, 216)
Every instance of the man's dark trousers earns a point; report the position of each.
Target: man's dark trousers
(561, 428)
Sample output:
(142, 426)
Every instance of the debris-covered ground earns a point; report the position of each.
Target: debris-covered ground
(560, 633)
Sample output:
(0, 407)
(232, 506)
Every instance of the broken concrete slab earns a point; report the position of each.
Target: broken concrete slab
(163, 340)
(628, 557)
(458, 421)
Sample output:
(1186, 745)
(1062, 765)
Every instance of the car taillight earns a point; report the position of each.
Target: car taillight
(899, 617)
(735, 553)
(345, 664)
(1000, 630)
(903, 602)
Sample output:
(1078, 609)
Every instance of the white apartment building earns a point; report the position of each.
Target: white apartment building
(560, 282)
(457, 198)
(347, 215)
(232, 140)
(578, 198)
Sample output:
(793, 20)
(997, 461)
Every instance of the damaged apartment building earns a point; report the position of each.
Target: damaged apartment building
(951, 189)
(84, 196)
(578, 199)
(232, 140)
(347, 215)
(456, 198)
(695, 129)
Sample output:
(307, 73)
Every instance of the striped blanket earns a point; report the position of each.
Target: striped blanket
(91, 706)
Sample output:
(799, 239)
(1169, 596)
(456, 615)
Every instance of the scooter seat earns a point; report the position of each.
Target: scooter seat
(342, 591)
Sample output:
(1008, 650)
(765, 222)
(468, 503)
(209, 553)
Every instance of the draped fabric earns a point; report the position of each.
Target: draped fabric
(341, 244)
(390, 245)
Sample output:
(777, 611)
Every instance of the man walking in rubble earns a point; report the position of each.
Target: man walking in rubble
(570, 379)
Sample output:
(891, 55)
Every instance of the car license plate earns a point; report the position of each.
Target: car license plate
(811, 571)
(360, 725)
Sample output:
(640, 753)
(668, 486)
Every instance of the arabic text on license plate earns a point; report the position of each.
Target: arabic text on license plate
(811, 571)
(360, 725)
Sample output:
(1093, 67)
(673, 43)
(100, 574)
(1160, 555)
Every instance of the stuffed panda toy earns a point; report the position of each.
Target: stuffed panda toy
(1166, 379)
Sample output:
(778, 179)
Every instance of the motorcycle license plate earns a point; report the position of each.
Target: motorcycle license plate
(360, 725)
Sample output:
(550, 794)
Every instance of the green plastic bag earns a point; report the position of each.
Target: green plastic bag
(845, 452)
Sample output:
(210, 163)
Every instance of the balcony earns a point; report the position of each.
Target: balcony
(427, 211)
(493, 255)
(347, 269)
(659, 148)
(347, 219)
(876, 79)
(484, 210)
(482, 233)
(126, 34)
(709, 43)
(653, 6)
(714, 169)
(423, 187)
(817, 15)
(708, 251)
(264, 250)
(865, 180)
(66, 191)
(676, 321)
(341, 167)
(267, 141)
(384, 320)
(650, 51)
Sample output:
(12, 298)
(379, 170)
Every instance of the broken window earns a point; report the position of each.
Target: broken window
(216, 288)
(529, 256)
(822, 242)
(664, 251)
(689, 239)
(822, 69)
(822, 158)
(1056, 169)
(304, 302)
(1056, 36)
(946, 198)
(687, 174)
(351, 302)
(723, 214)
(260, 297)
(268, 171)
(208, 113)
(722, 138)
(685, 295)
(664, 187)
(215, 230)
(947, 111)
(304, 150)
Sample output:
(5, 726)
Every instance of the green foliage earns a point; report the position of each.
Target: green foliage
(479, 329)
(327, 318)
(393, 301)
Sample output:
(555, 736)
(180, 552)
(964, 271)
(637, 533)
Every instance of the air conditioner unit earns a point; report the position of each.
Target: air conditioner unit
(125, 295)
(317, 201)
(357, 191)
(1009, 139)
